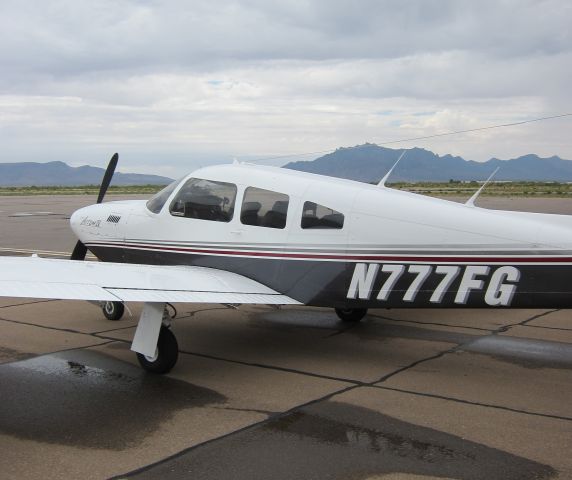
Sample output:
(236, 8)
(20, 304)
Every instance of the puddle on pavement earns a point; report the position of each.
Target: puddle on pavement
(86, 399)
(376, 330)
(381, 331)
(332, 440)
(524, 352)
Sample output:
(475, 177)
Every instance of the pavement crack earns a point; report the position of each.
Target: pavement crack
(543, 327)
(506, 328)
(55, 352)
(66, 330)
(473, 403)
(253, 410)
(273, 367)
(112, 330)
(417, 362)
(104, 337)
(29, 303)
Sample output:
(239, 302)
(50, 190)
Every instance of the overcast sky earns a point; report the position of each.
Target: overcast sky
(173, 85)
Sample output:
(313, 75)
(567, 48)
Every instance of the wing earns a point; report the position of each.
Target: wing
(35, 277)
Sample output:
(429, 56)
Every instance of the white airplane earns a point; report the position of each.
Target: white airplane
(244, 234)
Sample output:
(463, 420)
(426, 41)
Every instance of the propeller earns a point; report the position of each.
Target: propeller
(80, 250)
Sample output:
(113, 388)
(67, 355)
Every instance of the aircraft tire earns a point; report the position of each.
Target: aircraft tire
(113, 310)
(166, 356)
(351, 314)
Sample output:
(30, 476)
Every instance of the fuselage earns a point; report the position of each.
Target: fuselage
(331, 242)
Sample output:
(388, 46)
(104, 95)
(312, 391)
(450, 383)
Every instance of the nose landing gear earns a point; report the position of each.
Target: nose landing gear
(113, 310)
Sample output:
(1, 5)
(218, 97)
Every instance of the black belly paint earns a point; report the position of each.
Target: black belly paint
(336, 283)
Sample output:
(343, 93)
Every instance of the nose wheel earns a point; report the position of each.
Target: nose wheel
(351, 314)
(113, 310)
(166, 353)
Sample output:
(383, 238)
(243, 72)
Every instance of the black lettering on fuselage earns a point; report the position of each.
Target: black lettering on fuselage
(498, 283)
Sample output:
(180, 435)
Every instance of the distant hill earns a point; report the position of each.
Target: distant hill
(368, 163)
(59, 173)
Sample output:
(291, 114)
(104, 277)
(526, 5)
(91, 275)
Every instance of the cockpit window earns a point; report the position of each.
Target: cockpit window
(318, 216)
(205, 200)
(156, 202)
(264, 208)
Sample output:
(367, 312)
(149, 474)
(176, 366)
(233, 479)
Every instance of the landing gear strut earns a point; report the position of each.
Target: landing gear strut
(113, 310)
(351, 314)
(154, 342)
(166, 353)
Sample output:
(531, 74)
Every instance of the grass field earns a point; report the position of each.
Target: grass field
(82, 190)
(497, 189)
(493, 189)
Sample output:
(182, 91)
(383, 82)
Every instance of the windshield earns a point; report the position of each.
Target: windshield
(205, 200)
(157, 201)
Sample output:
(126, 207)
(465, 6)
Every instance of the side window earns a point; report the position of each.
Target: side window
(318, 216)
(264, 208)
(205, 200)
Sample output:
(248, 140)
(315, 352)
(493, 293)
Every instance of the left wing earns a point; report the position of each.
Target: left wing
(35, 277)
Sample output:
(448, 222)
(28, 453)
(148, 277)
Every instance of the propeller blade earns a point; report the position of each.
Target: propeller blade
(107, 177)
(79, 251)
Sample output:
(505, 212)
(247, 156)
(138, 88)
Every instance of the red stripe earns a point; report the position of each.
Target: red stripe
(349, 257)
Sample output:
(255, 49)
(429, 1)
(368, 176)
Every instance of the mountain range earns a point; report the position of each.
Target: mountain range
(369, 163)
(61, 174)
(365, 163)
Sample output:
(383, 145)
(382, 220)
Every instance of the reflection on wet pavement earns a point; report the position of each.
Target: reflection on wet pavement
(85, 399)
(298, 318)
(524, 352)
(333, 440)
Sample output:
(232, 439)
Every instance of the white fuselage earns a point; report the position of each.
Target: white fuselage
(381, 226)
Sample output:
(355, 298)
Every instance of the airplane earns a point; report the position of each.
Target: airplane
(249, 234)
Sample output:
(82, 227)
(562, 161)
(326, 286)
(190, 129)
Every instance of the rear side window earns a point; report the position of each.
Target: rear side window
(264, 208)
(318, 216)
(205, 200)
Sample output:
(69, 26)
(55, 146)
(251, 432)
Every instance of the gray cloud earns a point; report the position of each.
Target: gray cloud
(77, 36)
(217, 79)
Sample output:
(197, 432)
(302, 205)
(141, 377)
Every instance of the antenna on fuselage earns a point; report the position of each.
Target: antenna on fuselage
(471, 201)
(384, 179)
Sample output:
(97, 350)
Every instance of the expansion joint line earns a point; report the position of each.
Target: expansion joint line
(506, 328)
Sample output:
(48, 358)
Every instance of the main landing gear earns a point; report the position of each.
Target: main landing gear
(351, 314)
(166, 353)
(154, 343)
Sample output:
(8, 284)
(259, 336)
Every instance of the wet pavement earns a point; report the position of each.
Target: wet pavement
(339, 440)
(261, 393)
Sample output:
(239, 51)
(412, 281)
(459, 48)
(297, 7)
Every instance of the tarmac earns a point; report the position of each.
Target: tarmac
(291, 393)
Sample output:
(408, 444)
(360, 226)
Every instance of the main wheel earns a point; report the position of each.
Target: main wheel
(165, 356)
(113, 310)
(351, 314)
